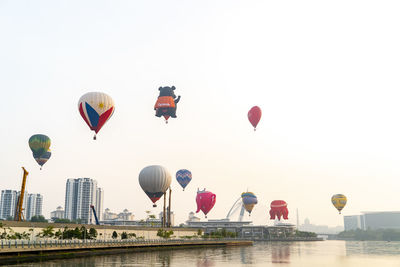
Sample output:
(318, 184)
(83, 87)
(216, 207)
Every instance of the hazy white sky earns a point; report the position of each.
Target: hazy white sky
(325, 73)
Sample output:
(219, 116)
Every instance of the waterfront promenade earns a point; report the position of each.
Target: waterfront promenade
(17, 251)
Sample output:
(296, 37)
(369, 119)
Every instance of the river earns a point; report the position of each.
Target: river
(299, 254)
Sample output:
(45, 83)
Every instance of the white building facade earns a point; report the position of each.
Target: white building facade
(80, 194)
(9, 202)
(34, 205)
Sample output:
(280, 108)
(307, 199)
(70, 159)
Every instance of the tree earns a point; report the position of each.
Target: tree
(92, 233)
(38, 218)
(114, 235)
(124, 235)
(131, 235)
(164, 234)
(47, 232)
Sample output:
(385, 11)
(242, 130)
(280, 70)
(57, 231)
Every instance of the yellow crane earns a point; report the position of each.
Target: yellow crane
(18, 213)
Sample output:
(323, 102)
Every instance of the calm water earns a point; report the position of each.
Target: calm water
(325, 253)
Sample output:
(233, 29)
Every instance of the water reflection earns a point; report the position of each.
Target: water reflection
(299, 254)
(372, 248)
(205, 263)
(246, 255)
(280, 252)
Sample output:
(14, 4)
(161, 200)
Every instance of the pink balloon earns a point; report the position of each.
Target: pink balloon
(279, 209)
(205, 201)
(254, 116)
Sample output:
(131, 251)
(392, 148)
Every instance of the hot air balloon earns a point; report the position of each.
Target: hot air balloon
(183, 177)
(39, 144)
(279, 209)
(205, 201)
(166, 103)
(339, 201)
(249, 201)
(154, 180)
(96, 109)
(43, 158)
(254, 116)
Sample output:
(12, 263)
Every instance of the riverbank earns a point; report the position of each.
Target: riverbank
(26, 251)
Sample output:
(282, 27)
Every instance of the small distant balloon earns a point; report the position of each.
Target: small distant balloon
(96, 109)
(205, 201)
(254, 116)
(249, 201)
(339, 201)
(183, 177)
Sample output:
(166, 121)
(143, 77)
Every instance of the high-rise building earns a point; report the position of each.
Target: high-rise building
(353, 222)
(9, 202)
(34, 205)
(79, 195)
(99, 203)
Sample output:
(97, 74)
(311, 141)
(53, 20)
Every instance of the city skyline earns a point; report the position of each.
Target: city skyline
(326, 83)
(32, 204)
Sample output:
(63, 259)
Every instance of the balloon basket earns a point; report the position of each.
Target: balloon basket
(206, 216)
(166, 122)
(40, 168)
(94, 137)
(255, 129)
(154, 205)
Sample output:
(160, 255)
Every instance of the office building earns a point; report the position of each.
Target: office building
(34, 204)
(373, 220)
(9, 202)
(99, 203)
(382, 220)
(80, 194)
(353, 222)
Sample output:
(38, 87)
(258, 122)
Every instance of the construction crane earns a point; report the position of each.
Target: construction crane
(18, 212)
(237, 205)
(95, 215)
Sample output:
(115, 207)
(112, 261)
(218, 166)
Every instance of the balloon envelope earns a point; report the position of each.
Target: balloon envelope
(43, 158)
(154, 180)
(205, 201)
(96, 109)
(183, 177)
(254, 116)
(339, 201)
(39, 144)
(249, 201)
(279, 209)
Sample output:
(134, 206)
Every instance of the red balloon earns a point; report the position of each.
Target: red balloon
(279, 209)
(205, 201)
(254, 116)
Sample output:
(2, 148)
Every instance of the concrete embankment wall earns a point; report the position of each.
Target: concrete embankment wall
(103, 231)
(26, 251)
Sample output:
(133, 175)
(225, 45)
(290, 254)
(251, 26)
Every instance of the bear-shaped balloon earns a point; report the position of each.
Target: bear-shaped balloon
(166, 102)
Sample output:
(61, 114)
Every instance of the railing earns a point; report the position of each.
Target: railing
(52, 243)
